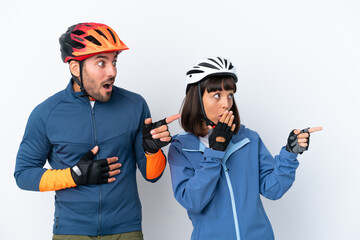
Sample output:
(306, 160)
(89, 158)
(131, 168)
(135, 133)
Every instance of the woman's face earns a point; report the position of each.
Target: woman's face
(216, 103)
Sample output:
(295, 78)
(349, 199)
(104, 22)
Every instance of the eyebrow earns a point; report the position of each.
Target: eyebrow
(101, 56)
(105, 57)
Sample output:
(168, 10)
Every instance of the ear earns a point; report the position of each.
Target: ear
(75, 68)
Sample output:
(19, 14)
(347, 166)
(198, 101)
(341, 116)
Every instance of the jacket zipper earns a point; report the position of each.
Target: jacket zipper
(231, 149)
(226, 170)
(97, 158)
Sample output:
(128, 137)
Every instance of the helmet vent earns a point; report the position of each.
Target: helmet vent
(80, 39)
(220, 60)
(194, 71)
(225, 63)
(204, 64)
(112, 34)
(215, 62)
(78, 32)
(101, 33)
(76, 44)
(93, 40)
(231, 66)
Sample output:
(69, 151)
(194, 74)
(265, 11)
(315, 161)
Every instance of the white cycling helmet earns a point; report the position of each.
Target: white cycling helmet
(209, 67)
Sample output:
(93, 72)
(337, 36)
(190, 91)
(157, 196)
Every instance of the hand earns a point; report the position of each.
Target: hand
(88, 171)
(298, 141)
(223, 132)
(156, 135)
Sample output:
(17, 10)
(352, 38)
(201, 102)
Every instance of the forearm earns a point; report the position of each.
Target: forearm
(40, 179)
(277, 181)
(53, 180)
(155, 165)
(29, 179)
(194, 188)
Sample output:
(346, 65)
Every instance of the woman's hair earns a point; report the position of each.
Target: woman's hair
(191, 115)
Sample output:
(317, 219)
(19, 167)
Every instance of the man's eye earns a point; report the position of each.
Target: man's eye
(114, 63)
(101, 64)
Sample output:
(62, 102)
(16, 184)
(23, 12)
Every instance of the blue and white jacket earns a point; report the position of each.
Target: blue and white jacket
(221, 190)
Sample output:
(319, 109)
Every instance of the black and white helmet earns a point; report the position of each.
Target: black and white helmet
(208, 67)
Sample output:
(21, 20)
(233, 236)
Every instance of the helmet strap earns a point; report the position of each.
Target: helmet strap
(208, 121)
(80, 82)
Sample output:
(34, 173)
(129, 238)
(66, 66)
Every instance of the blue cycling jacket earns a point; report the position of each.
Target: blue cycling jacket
(221, 190)
(61, 130)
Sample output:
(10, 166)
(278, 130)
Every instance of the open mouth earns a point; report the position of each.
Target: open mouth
(108, 86)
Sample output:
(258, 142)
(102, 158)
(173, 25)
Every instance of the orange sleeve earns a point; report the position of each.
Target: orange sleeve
(53, 180)
(155, 165)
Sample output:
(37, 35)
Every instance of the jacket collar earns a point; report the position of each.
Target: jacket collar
(70, 91)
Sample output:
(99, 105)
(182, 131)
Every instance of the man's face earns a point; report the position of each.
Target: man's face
(99, 74)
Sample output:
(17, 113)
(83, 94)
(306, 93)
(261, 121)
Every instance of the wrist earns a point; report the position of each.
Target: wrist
(74, 174)
(152, 153)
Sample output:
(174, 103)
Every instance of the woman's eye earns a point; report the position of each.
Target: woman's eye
(216, 95)
(231, 95)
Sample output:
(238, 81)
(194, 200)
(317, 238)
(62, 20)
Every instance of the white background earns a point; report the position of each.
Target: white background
(298, 64)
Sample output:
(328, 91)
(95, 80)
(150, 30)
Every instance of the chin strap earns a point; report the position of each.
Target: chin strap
(80, 83)
(208, 121)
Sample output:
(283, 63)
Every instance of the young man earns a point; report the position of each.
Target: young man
(96, 193)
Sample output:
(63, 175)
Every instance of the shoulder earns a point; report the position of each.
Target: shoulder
(181, 141)
(126, 94)
(130, 102)
(251, 133)
(184, 137)
(248, 133)
(46, 107)
(185, 140)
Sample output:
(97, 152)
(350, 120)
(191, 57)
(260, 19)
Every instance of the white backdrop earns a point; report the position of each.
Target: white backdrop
(298, 64)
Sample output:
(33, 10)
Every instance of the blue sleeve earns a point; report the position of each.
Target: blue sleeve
(276, 175)
(32, 154)
(194, 188)
(139, 150)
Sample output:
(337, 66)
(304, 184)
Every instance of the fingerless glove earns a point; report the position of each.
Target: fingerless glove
(221, 136)
(149, 144)
(87, 171)
(293, 144)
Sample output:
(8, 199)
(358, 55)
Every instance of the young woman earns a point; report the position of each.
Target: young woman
(219, 168)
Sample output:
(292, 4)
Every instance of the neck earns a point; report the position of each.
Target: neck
(76, 88)
(205, 128)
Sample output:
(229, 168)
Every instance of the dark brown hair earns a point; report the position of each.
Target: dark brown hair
(191, 115)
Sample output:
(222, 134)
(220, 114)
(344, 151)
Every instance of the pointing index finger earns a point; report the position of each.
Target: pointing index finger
(315, 129)
(172, 118)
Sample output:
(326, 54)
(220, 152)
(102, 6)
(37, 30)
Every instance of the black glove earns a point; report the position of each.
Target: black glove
(149, 144)
(293, 145)
(87, 171)
(221, 130)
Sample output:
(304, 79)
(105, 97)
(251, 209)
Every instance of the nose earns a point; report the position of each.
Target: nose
(111, 71)
(226, 103)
